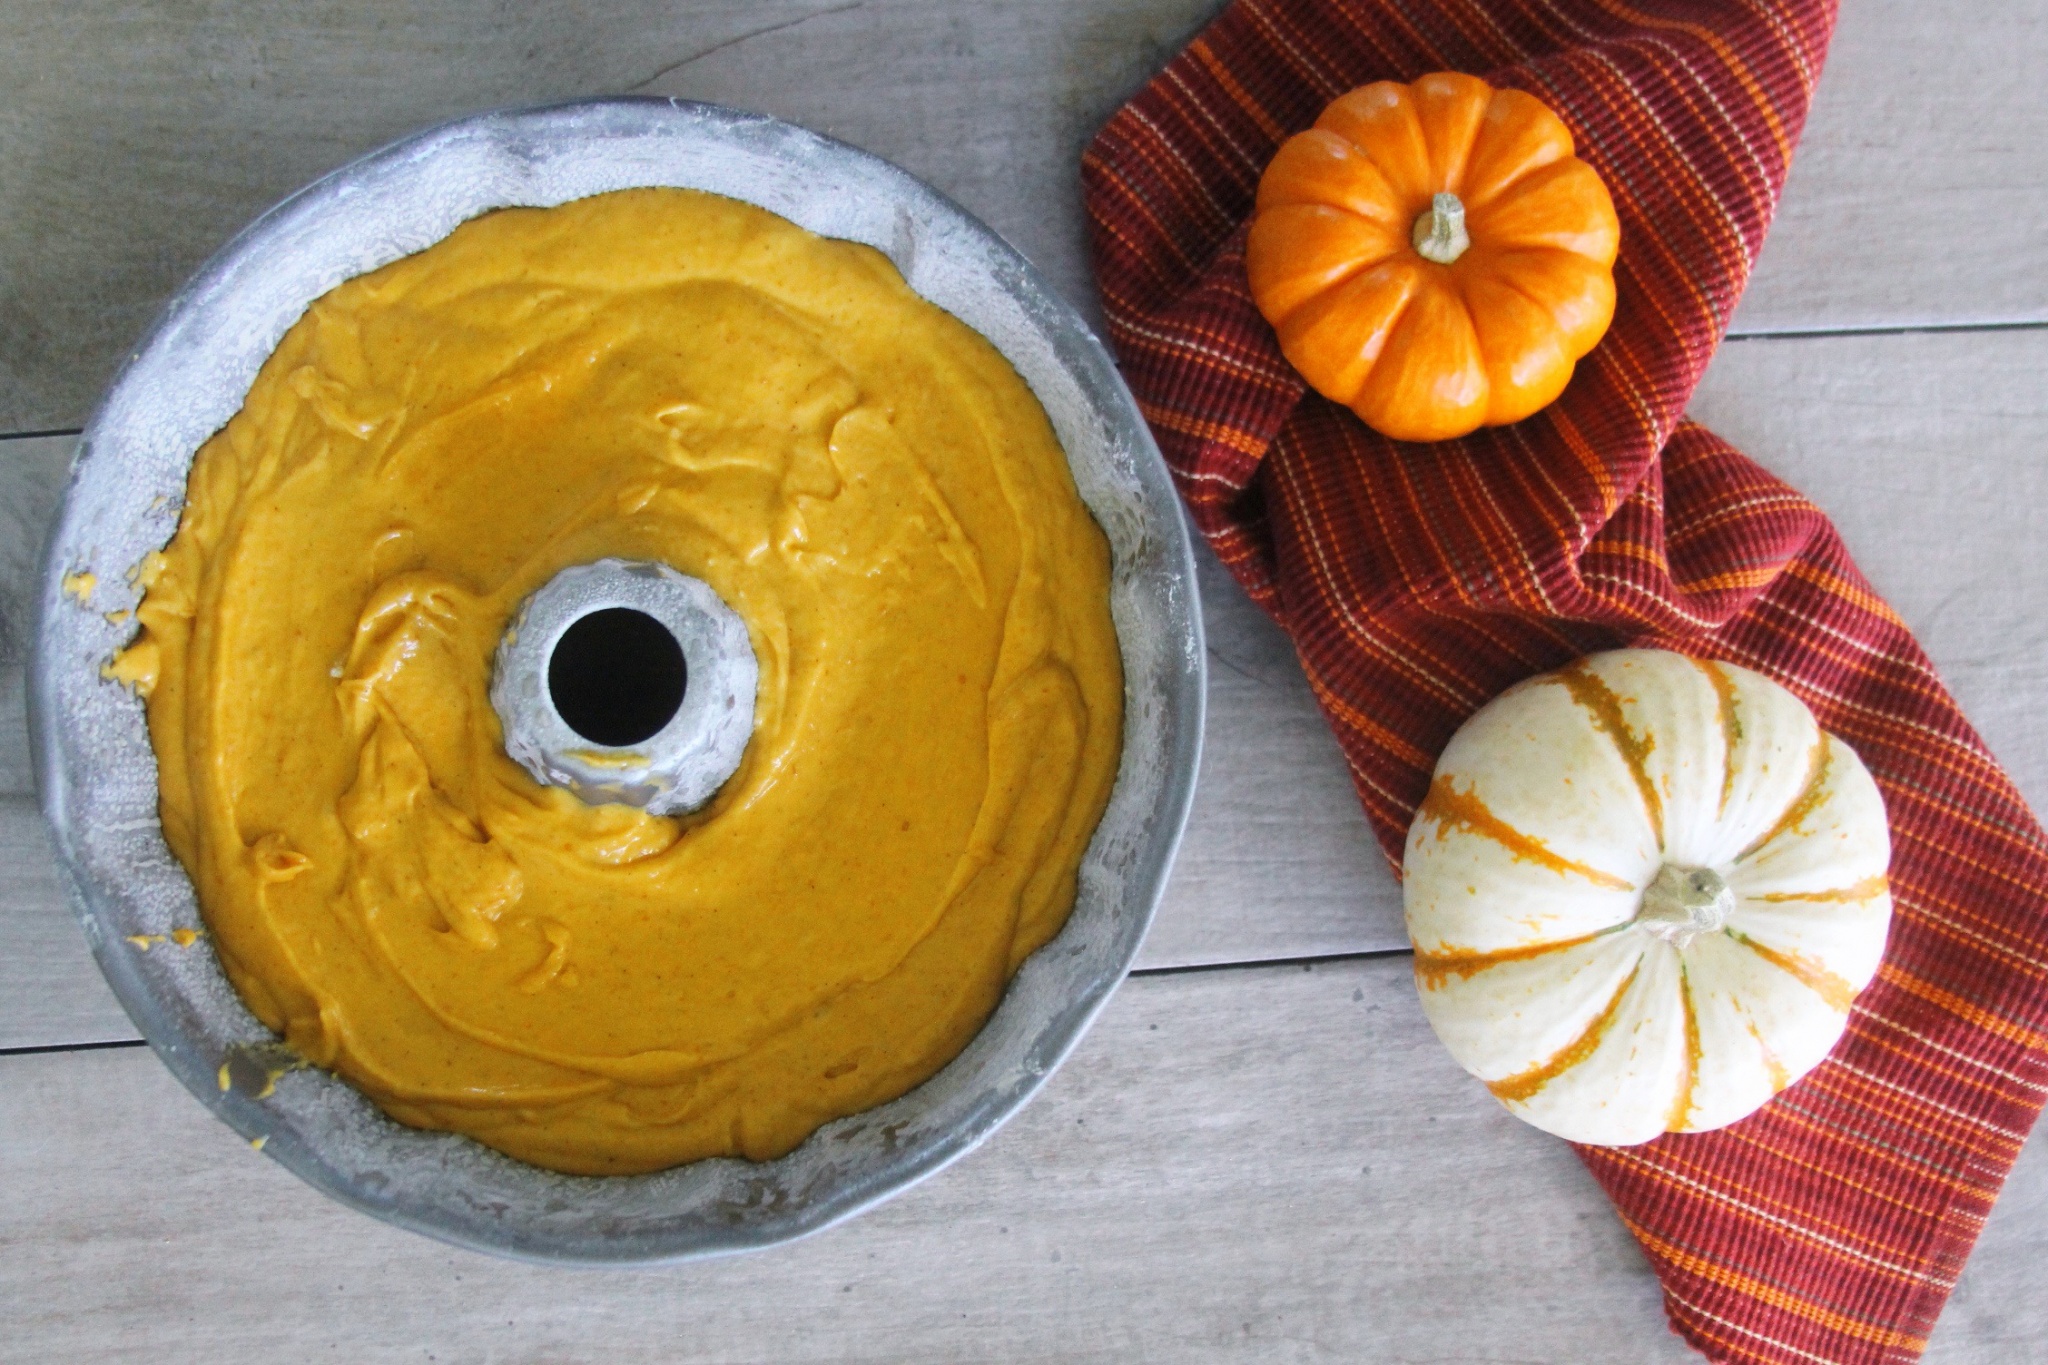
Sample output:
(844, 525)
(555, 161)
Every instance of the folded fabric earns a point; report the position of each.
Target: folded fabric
(1419, 581)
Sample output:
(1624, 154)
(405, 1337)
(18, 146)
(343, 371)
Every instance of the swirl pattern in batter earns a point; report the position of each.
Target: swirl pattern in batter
(656, 375)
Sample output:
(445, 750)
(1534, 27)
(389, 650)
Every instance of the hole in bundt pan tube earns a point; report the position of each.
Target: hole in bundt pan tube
(617, 676)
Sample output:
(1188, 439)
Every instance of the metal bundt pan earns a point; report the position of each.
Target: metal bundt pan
(97, 773)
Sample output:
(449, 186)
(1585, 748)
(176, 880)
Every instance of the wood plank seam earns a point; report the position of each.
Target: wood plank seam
(1304, 961)
(1734, 334)
(1915, 329)
(1307, 962)
(38, 1049)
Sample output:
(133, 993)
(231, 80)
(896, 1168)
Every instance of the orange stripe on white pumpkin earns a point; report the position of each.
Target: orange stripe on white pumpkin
(1810, 797)
(1779, 1080)
(1676, 988)
(1870, 888)
(1598, 701)
(1434, 968)
(1454, 809)
(1731, 723)
(1838, 993)
(1525, 1085)
(1681, 1107)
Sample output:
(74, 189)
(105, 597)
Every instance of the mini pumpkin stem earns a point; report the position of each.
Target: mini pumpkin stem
(1439, 234)
(1682, 903)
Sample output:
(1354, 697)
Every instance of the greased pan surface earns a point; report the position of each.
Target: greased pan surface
(97, 773)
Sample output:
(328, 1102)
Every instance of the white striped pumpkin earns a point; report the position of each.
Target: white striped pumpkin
(1643, 891)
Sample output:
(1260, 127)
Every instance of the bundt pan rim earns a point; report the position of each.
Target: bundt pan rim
(96, 774)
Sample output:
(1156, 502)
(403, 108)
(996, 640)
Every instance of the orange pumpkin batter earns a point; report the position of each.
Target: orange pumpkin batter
(657, 375)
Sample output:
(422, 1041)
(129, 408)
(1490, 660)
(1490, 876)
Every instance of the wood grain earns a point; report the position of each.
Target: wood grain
(32, 474)
(1249, 1165)
(137, 137)
(1930, 453)
(51, 991)
(1278, 861)
(1998, 1312)
(1263, 1164)
(1916, 198)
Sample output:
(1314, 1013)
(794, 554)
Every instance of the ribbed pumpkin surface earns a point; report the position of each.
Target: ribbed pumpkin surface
(1426, 347)
(1539, 875)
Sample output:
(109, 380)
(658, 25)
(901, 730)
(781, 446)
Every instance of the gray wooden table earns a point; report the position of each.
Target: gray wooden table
(1260, 1152)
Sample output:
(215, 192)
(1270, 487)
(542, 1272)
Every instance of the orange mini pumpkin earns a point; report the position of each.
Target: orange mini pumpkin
(1434, 256)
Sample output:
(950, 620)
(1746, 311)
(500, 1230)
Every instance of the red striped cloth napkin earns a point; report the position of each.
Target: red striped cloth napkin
(1419, 581)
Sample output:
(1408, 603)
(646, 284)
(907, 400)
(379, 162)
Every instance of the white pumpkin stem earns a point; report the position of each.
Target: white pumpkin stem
(1439, 234)
(1684, 902)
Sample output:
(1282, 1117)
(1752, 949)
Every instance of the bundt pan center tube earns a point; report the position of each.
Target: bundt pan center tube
(687, 672)
(627, 682)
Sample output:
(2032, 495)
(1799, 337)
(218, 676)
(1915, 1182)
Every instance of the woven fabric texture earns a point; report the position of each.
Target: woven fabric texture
(1419, 581)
